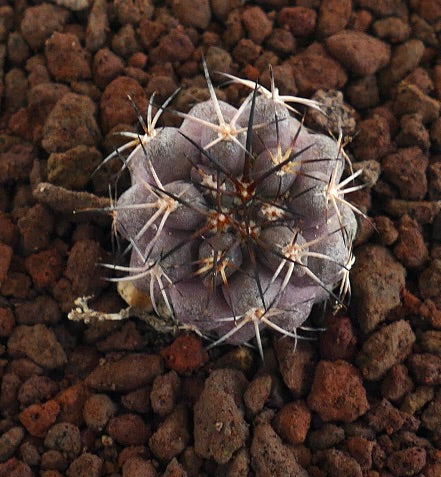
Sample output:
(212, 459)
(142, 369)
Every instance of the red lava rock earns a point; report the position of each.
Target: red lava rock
(389, 345)
(185, 354)
(246, 51)
(384, 417)
(407, 170)
(175, 46)
(43, 309)
(83, 269)
(377, 280)
(269, 456)
(314, 69)
(40, 22)
(97, 26)
(7, 322)
(361, 449)
(71, 401)
(138, 467)
(334, 15)
(257, 24)
(386, 230)
(65, 438)
(37, 389)
(10, 386)
(130, 372)
(37, 418)
(405, 58)
(71, 123)
(16, 162)
(165, 392)
(328, 435)
(149, 31)
(431, 416)
(219, 425)
(292, 422)
(44, 267)
(28, 122)
(296, 365)
(172, 436)
(406, 462)
(373, 139)
(413, 132)
(392, 29)
(128, 429)
(66, 59)
(97, 410)
(336, 462)
(362, 54)
(429, 281)
(410, 249)
(86, 465)
(132, 12)
(410, 100)
(127, 338)
(39, 343)
(337, 392)
(15, 468)
(339, 340)
(396, 383)
(16, 285)
(106, 67)
(426, 368)
(138, 400)
(257, 393)
(5, 260)
(114, 106)
(300, 20)
(9, 442)
(36, 227)
(8, 230)
(193, 13)
(72, 169)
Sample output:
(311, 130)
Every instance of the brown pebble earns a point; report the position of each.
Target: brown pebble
(165, 392)
(396, 383)
(39, 343)
(97, 410)
(64, 437)
(138, 467)
(377, 280)
(269, 456)
(114, 106)
(257, 393)
(362, 54)
(292, 422)
(193, 13)
(37, 418)
(185, 354)
(406, 462)
(426, 368)
(86, 465)
(337, 392)
(314, 69)
(66, 59)
(413, 132)
(389, 345)
(5, 260)
(257, 24)
(131, 372)
(299, 20)
(339, 340)
(334, 15)
(128, 429)
(410, 249)
(172, 435)
(373, 139)
(7, 322)
(296, 362)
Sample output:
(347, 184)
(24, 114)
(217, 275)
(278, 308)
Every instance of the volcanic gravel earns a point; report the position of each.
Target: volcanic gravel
(122, 398)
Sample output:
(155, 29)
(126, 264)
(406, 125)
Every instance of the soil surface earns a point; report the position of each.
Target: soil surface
(120, 398)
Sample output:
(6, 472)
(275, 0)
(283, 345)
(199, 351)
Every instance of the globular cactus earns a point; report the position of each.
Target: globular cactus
(237, 219)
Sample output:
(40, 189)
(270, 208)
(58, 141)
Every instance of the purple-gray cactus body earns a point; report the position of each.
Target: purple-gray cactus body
(231, 240)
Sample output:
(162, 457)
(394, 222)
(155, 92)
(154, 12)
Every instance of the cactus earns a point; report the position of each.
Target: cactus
(237, 220)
